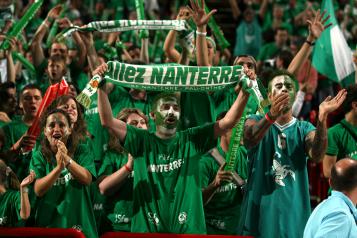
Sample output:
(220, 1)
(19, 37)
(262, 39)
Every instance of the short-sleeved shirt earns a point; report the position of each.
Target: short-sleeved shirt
(223, 211)
(167, 191)
(277, 201)
(341, 143)
(119, 206)
(67, 204)
(9, 208)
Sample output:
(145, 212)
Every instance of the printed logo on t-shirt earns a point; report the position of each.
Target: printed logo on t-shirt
(63, 180)
(182, 217)
(121, 218)
(227, 187)
(159, 168)
(281, 171)
(98, 206)
(3, 221)
(219, 224)
(153, 219)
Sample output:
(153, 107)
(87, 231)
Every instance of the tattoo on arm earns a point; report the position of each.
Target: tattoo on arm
(316, 142)
(255, 131)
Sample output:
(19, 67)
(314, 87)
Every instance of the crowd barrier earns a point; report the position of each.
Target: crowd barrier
(161, 235)
(40, 232)
(73, 233)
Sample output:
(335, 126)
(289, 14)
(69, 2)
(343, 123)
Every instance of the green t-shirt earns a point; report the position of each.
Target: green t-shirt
(67, 204)
(195, 110)
(167, 192)
(267, 51)
(119, 206)
(277, 201)
(13, 132)
(223, 210)
(10, 208)
(222, 100)
(341, 143)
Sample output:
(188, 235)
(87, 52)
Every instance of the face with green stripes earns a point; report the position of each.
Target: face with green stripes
(283, 84)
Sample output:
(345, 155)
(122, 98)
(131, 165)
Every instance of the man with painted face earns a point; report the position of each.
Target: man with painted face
(276, 201)
(167, 194)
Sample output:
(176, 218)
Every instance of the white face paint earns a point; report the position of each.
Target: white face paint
(167, 113)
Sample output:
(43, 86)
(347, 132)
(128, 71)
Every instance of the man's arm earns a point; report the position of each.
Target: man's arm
(36, 45)
(327, 163)
(316, 141)
(201, 19)
(316, 27)
(113, 182)
(233, 115)
(105, 110)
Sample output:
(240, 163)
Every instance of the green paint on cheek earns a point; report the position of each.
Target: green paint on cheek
(159, 119)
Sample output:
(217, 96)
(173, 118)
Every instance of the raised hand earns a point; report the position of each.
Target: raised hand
(222, 175)
(278, 105)
(25, 141)
(331, 104)
(64, 23)
(28, 180)
(54, 12)
(317, 25)
(198, 13)
(101, 69)
(184, 14)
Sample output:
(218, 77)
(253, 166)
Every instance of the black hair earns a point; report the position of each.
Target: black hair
(350, 98)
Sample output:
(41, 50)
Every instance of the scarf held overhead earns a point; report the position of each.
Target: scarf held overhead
(164, 77)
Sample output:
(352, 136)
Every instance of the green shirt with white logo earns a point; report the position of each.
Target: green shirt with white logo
(167, 191)
(341, 142)
(222, 212)
(10, 208)
(119, 206)
(67, 204)
(277, 201)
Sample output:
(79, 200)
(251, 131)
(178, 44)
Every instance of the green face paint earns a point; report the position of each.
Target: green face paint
(284, 84)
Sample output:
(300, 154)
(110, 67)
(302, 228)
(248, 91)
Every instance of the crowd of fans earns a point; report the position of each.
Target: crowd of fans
(148, 161)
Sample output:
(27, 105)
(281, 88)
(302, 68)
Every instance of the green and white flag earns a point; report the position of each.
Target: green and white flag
(332, 56)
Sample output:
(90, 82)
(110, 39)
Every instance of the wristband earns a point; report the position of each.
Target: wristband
(268, 118)
(310, 43)
(25, 190)
(69, 162)
(128, 169)
(201, 33)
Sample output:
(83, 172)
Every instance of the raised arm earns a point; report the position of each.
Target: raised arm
(113, 182)
(25, 209)
(201, 19)
(316, 27)
(105, 110)
(327, 164)
(65, 23)
(169, 44)
(235, 112)
(92, 56)
(316, 141)
(36, 46)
